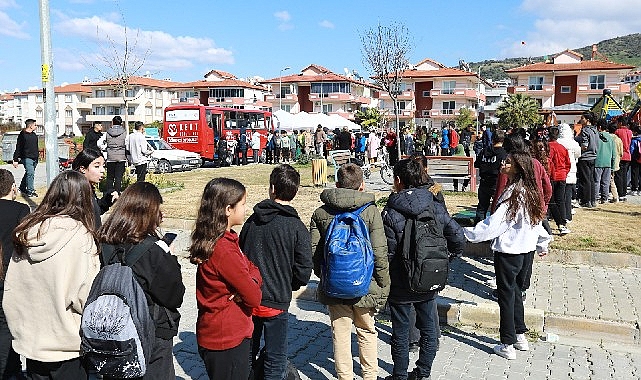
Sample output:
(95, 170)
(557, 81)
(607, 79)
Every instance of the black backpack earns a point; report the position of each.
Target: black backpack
(424, 252)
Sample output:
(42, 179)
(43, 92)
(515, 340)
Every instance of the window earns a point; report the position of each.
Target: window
(448, 107)
(110, 110)
(158, 112)
(597, 82)
(224, 93)
(327, 108)
(401, 107)
(425, 113)
(38, 113)
(593, 99)
(287, 107)
(130, 93)
(39, 98)
(117, 93)
(68, 130)
(189, 94)
(68, 113)
(148, 93)
(68, 98)
(100, 111)
(100, 93)
(329, 87)
(566, 89)
(448, 87)
(426, 94)
(148, 111)
(131, 110)
(535, 84)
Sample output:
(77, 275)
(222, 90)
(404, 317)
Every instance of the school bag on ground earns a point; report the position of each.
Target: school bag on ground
(348, 258)
(117, 331)
(424, 252)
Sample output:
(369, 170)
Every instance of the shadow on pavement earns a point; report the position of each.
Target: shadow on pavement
(310, 342)
(479, 342)
(186, 354)
(470, 278)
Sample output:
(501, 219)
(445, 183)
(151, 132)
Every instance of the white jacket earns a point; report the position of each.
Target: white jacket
(138, 148)
(510, 236)
(44, 295)
(566, 138)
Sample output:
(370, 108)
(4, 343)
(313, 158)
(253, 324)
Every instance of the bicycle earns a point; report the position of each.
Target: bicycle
(382, 161)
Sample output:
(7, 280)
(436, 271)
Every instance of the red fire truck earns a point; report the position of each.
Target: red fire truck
(197, 128)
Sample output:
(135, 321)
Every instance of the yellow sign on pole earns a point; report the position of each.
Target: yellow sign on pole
(45, 73)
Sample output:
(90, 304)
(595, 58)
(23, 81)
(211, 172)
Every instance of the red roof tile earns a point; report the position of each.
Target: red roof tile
(216, 84)
(222, 74)
(138, 81)
(579, 66)
(443, 72)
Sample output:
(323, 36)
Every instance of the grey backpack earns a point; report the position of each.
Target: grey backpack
(117, 331)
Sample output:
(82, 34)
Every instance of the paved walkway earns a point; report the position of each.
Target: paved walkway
(466, 352)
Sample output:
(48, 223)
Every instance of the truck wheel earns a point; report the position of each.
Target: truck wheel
(164, 166)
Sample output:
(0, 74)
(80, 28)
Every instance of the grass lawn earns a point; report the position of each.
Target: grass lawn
(606, 228)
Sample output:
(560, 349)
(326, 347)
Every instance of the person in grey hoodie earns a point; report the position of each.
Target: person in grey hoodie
(587, 139)
(116, 157)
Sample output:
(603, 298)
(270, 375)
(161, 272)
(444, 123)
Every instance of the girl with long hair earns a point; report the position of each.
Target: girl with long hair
(516, 231)
(91, 164)
(134, 220)
(49, 277)
(227, 283)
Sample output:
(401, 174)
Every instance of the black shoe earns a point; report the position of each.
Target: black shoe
(414, 376)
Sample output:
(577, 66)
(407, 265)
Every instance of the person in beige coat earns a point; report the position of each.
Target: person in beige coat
(49, 278)
(349, 196)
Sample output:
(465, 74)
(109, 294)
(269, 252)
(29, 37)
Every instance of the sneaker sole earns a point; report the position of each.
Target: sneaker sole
(521, 348)
(503, 355)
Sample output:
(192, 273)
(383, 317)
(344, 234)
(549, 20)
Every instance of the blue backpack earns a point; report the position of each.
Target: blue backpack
(349, 258)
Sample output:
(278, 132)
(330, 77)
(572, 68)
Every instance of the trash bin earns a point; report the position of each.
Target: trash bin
(9, 141)
(319, 172)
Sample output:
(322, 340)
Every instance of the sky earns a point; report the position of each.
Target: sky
(183, 40)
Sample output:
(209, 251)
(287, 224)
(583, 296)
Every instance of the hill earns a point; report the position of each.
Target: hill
(626, 49)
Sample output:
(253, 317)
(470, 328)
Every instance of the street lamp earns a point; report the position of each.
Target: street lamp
(280, 87)
(478, 101)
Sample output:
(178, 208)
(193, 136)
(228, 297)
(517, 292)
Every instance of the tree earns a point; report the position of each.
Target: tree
(385, 53)
(369, 119)
(517, 111)
(464, 118)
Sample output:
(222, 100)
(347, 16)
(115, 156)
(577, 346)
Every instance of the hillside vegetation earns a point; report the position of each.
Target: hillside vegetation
(626, 49)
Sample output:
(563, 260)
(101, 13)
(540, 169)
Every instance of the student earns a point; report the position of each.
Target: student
(348, 196)
(135, 217)
(516, 232)
(93, 136)
(410, 200)
(27, 154)
(278, 243)
(116, 158)
(559, 162)
(566, 138)
(12, 213)
(489, 162)
(139, 150)
(91, 164)
(227, 283)
(49, 277)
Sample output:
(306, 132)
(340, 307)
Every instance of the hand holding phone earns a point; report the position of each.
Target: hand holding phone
(169, 237)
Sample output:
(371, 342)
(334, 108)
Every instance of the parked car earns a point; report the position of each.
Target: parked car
(166, 159)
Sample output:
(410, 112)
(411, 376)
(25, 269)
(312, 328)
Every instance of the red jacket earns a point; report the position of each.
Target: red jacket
(224, 323)
(542, 178)
(454, 138)
(626, 137)
(559, 162)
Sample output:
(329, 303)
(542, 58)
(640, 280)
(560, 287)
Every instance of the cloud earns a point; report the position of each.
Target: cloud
(158, 49)
(326, 24)
(570, 24)
(283, 16)
(11, 28)
(8, 4)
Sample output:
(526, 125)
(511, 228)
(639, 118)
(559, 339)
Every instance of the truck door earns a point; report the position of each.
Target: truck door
(213, 133)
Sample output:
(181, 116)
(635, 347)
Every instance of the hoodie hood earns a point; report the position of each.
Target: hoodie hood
(115, 130)
(268, 209)
(411, 202)
(346, 199)
(55, 234)
(565, 132)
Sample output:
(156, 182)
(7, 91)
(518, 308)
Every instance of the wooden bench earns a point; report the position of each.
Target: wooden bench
(338, 158)
(452, 167)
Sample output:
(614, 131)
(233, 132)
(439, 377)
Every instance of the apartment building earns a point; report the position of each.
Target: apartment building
(567, 78)
(222, 89)
(318, 90)
(7, 108)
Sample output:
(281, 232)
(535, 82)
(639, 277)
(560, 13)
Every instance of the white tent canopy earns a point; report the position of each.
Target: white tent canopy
(309, 121)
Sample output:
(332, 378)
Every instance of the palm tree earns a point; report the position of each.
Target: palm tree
(518, 111)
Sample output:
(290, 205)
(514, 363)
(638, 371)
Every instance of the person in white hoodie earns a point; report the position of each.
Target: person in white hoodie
(49, 277)
(516, 232)
(566, 138)
(139, 150)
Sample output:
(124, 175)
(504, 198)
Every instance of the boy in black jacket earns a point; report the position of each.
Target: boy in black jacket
(489, 164)
(278, 243)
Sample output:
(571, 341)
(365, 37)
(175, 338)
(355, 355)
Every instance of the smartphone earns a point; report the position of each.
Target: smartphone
(169, 237)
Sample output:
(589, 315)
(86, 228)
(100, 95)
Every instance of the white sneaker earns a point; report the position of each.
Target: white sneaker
(505, 350)
(563, 230)
(521, 343)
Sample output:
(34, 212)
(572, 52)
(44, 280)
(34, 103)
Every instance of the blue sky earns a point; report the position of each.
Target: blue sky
(183, 40)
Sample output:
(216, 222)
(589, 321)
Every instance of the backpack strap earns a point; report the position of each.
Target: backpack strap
(358, 211)
(111, 256)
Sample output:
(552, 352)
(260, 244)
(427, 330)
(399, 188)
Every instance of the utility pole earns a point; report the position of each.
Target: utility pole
(280, 87)
(48, 94)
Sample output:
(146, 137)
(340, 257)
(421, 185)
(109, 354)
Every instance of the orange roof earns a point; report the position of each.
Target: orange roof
(569, 51)
(215, 84)
(138, 81)
(442, 72)
(439, 64)
(222, 74)
(326, 76)
(67, 88)
(6, 97)
(579, 66)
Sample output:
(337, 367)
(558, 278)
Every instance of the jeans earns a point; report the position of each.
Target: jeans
(141, 172)
(635, 176)
(621, 178)
(26, 185)
(256, 153)
(115, 171)
(274, 331)
(511, 275)
(585, 177)
(487, 187)
(342, 317)
(319, 148)
(400, 337)
(569, 193)
(602, 183)
(557, 204)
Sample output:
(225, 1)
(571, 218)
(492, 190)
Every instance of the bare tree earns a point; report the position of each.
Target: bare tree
(385, 54)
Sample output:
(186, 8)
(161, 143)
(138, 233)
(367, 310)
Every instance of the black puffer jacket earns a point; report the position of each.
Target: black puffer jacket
(400, 206)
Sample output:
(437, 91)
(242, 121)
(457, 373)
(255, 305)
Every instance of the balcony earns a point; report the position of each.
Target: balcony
(108, 118)
(276, 98)
(83, 106)
(457, 93)
(404, 95)
(436, 113)
(117, 101)
(546, 89)
(616, 88)
(403, 114)
(346, 115)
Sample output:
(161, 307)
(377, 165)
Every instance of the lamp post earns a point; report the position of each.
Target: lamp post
(280, 87)
(321, 92)
(478, 101)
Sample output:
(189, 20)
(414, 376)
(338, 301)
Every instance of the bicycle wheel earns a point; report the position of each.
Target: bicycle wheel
(387, 174)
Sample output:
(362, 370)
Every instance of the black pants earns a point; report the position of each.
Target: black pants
(274, 333)
(585, 177)
(66, 370)
(269, 156)
(557, 204)
(242, 156)
(276, 155)
(9, 359)
(231, 364)
(115, 171)
(141, 172)
(570, 188)
(487, 187)
(635, 176)
(510, 275)
(621, 178)
(256, 154)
